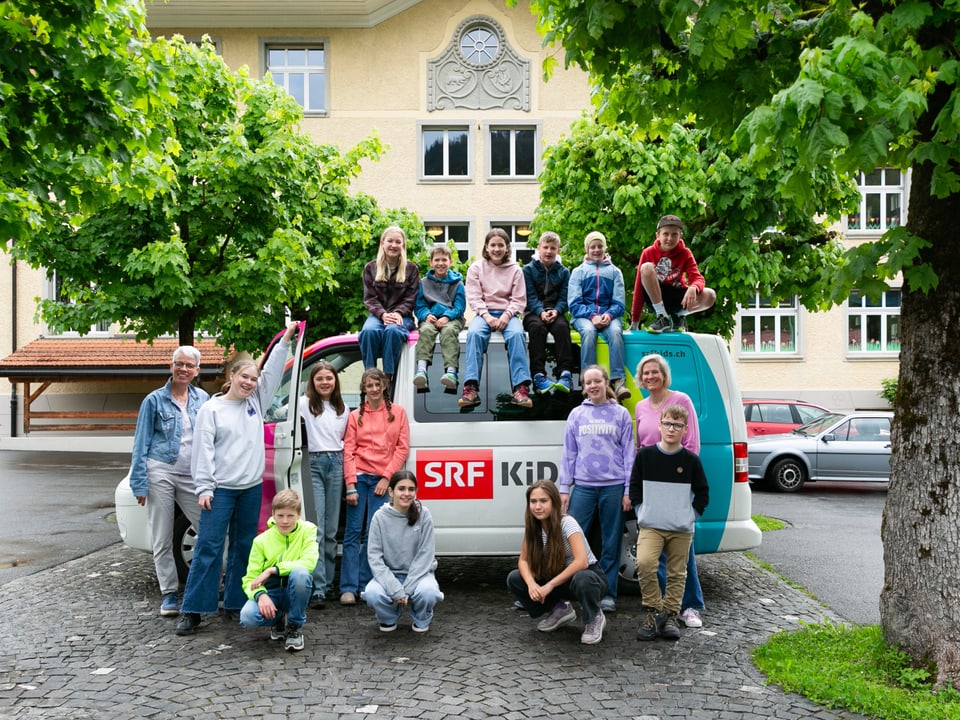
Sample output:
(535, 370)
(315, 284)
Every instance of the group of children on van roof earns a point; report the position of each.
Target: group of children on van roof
(499, 293)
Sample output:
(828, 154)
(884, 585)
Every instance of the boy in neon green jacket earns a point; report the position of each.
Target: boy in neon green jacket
(279, 576)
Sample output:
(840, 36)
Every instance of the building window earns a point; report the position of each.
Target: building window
(446, 152)
(881, 201)
(873, 324)
(55, 292)
(459, 232)
(512, 152)
(479, 44)
(301, 70)
(768, 328)
(519, 234)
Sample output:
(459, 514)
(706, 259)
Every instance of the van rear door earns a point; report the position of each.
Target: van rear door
(281, 429)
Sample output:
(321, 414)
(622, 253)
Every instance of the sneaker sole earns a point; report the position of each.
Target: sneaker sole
(293, 648)
(169, 613)
(420, 629)
(387, 628)
(467, 403)
(561, 388)
(420, 383)
(449, 384)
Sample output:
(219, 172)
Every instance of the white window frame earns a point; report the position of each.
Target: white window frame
(310, 109)
(761, 309)
(462, 227)
(446, 128)
(889, 186)
(866, 308)
(513, 128)
(101, 329)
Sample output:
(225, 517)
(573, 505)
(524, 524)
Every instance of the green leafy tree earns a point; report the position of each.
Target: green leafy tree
(793, 88)
(258, 222)
(77, 87)
(620, 180)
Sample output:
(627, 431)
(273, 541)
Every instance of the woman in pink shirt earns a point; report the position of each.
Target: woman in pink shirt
(375, 446)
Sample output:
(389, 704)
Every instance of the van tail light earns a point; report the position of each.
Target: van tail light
(740, 463)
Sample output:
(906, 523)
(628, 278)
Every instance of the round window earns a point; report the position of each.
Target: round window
(479, 45)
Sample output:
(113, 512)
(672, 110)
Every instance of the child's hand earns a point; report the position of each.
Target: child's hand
(266, 606)
(260, 579)
(441, 322)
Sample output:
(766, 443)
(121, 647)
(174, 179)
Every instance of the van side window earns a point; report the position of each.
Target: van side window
(349, 367)
(437, 406)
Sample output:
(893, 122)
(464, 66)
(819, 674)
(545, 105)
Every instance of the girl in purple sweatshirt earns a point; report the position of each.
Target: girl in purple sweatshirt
(598, 453)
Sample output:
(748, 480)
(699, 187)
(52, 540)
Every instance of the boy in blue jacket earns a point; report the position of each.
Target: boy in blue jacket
(441, 302)
(279, 576)
(597, 299)
(547, 283)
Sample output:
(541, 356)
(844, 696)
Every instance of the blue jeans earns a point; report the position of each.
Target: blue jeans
(478, 339)
(326, 475)
(420, 602)
(354, 567)
(606, 503)
(692, 592)
(386, 341)
(290, 598)
(233, 512)
(613, 334)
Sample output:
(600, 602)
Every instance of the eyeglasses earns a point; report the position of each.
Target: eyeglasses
(672, 425)
(184, 365)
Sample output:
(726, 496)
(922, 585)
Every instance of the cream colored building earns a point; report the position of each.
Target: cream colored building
(455, 89)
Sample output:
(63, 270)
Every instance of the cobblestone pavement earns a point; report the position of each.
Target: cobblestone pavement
(84, 640)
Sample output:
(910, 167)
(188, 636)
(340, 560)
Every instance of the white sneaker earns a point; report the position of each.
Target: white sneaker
(691, 618)
(562, 614)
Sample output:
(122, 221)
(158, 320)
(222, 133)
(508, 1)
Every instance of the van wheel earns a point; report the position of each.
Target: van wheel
(184, 541)
(788, 475)
(629, 584)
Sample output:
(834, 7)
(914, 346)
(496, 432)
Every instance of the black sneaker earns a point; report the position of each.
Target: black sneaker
(317, 601)
(663, 323)
(279, 629)
(294, 639)
(667, 624)
(648, 626)
(680, 323)
(187, 624)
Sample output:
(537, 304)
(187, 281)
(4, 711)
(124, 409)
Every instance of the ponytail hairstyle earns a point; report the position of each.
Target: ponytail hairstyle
(546, 561)
(383, 269)
(377, 374)
(313, 396)
(413, 514)
(234, 369)
(611, 395)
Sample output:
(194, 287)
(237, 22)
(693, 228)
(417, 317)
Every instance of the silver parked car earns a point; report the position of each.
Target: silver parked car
(835, 447)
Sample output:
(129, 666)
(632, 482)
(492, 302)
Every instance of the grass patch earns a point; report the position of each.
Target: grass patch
(766, 524)
(853, 668)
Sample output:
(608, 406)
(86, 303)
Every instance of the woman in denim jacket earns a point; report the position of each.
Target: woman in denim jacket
(160, 466)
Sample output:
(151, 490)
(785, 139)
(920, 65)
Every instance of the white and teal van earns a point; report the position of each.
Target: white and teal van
(474, 465)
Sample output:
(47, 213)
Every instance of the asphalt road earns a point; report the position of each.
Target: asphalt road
(57, 506)
(831, 545)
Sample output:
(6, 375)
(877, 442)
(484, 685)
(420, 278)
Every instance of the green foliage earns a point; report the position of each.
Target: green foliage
(803, 95)
(768, 524)
(853, 668)
(78, 84)
(258, 222)
(889, 391)
(619, 180)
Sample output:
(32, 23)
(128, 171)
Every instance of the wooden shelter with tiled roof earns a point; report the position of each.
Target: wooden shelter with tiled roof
(74, 360)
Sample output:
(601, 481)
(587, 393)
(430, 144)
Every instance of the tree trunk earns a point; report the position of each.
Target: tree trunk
(920, 600)
(186, 326)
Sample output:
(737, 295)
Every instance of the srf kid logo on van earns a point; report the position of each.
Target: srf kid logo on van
(455, 474)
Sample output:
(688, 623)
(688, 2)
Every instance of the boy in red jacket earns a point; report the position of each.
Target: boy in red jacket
(669, 280)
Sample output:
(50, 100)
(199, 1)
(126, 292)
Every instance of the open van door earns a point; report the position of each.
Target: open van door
(282, 436)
